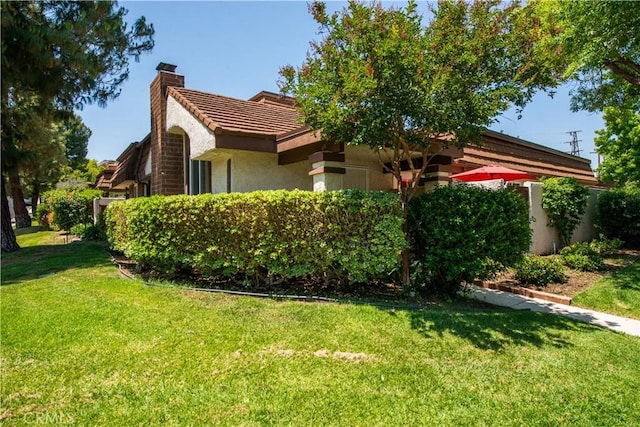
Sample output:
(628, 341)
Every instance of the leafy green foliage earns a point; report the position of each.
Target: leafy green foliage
(381, 78)
(596, 44)
(57, 56)
(540, 271)
(463, 233)
(351, 234)
(619, 146)
(69, 208)
(564, 200)
(73, 52)
(618, 214)
(604, 246)
(582, 256)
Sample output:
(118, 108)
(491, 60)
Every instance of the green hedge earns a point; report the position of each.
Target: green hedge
(618, 215)
(462, 233)
(352, 235)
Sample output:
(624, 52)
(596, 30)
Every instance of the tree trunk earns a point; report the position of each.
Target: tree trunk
(8, 236)
(23, 219)
(404, 198)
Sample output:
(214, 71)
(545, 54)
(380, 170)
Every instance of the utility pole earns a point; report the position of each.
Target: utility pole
(597, 171)
(575, 148)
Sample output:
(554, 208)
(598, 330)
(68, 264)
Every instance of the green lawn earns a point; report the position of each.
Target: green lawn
(81, 345)
(617, 294)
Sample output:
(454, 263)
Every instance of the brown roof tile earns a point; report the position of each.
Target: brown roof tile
(221, 113)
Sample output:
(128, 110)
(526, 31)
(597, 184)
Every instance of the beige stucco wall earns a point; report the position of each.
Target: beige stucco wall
(363, 157)
(251, 171)
(545, 239)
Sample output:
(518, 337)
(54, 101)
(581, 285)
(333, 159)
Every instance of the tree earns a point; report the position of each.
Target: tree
(25, 135)
(66, 53)
(619, 145)
(596, 44)
(76, 136)
(381, 79)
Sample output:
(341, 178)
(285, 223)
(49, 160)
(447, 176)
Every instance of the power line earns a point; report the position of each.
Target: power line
(575, 147)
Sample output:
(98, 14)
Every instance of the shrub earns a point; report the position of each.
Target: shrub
(564, 200)
(462, 233)
(94, 232)
(605, 246)
(89, 231)
(351, 235)
(65, 209)
(582, 256)
(540, 271)
(618, 215)
(78, 229)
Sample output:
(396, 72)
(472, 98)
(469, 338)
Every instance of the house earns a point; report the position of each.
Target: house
(201, 143)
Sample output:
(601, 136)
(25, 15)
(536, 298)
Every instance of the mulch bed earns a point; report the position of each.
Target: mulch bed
(578, 281)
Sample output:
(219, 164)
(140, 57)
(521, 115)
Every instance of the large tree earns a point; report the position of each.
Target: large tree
(68, 54)
(381, 77)
(597, 45)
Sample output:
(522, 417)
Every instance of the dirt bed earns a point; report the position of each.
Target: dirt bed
(579, 281)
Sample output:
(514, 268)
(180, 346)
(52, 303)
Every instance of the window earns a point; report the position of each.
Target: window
(200, 179)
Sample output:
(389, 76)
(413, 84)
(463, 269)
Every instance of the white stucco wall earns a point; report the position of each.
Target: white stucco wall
(201, 138)
(545, 238)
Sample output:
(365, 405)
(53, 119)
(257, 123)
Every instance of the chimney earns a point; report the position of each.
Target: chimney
(167, 158)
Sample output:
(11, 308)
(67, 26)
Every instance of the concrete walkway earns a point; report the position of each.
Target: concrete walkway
(518, 302)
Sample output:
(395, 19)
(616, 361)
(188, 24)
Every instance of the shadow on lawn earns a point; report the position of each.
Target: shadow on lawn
(494, 329)
(38, 261)
(627, 278)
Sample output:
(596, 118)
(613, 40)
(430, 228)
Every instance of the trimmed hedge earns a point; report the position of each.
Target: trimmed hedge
(618, 215)
(462, 233)
(351, 235)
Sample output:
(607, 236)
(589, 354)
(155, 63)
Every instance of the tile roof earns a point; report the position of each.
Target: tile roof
(222, 113)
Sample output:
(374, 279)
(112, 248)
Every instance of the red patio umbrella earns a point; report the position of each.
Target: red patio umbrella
(486, 173)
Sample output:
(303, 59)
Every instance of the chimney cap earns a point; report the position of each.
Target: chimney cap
(166, 67)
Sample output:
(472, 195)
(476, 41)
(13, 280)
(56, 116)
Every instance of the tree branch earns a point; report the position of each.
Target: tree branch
(616, 67)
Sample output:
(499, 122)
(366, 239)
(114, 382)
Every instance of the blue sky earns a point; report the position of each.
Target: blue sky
(236, 49)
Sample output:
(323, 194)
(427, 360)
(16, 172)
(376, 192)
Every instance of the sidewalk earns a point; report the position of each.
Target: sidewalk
(518, 302)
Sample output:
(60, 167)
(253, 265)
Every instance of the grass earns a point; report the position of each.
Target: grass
(82, 345)
(616, 294)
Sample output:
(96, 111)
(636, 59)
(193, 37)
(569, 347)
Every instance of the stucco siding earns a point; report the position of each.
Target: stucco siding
(364, 157)
(179, 119)
(252, 171)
